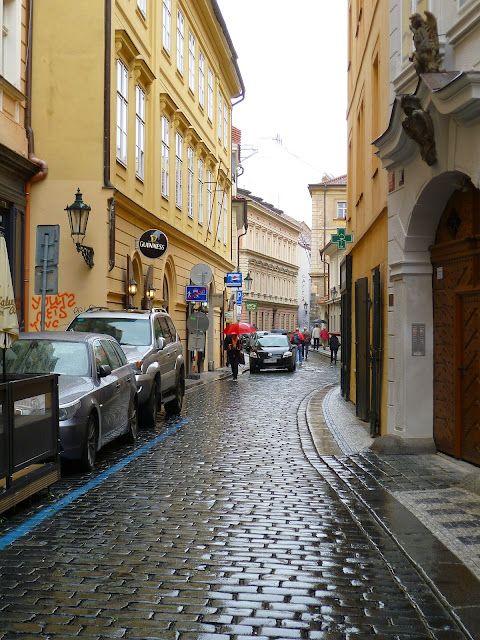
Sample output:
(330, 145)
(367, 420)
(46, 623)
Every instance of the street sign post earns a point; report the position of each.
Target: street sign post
(196, 294)
(239, 297)
(234, 279)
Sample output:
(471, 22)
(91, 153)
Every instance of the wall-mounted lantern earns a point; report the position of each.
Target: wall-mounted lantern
(78, 219)
(305, 306)
(248, 281)
(132, 287)
(150, 292)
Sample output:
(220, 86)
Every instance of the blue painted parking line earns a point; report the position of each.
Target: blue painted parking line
(50, 511)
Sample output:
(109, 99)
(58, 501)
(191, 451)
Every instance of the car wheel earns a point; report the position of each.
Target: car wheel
(89, 454)
(253, 369)
(131, 435)
(292, 368)
(175, 406)
(151, 407)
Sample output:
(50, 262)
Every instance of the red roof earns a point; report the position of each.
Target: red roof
(340, 181)
(236, 136)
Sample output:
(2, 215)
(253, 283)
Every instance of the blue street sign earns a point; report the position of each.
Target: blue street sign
(234, 279)
(239, 296)
(196, 294)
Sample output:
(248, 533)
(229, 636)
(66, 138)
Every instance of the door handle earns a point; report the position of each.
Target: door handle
(117, 385)
(461, 369)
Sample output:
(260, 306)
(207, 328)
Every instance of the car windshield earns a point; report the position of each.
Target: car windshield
(273, 341)
(129, 331)
(47, 356)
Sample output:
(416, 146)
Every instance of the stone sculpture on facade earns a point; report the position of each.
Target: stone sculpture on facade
(426, 57)
(418, 125)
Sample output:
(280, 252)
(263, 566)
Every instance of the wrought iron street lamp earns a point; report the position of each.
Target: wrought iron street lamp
(305, 306)
(150, 292)
(78, 219)
(248, 280)
(132, 287)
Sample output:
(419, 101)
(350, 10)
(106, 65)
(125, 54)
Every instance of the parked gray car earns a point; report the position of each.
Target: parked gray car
(151, 343)
(96, 388)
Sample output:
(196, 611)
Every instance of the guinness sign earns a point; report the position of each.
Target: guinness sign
(153, 243)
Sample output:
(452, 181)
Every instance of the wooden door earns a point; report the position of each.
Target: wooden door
(456, 317)
(468, 380)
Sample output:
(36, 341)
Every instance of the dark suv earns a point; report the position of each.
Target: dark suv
(151, 343)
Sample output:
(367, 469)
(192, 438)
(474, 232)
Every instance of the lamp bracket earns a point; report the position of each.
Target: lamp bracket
(87, 253)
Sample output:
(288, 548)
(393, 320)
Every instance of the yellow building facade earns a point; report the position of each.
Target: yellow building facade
(364, 272)
(131, 104)
(18, 167)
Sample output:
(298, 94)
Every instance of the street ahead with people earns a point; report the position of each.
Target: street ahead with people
(259, 512)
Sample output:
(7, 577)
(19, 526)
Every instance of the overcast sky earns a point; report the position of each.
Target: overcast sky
(293, 61)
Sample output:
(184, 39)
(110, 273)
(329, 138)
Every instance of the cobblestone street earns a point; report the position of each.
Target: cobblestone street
(220, 526)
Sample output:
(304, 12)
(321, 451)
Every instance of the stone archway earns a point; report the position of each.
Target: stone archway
(412, 230)
(456, 310)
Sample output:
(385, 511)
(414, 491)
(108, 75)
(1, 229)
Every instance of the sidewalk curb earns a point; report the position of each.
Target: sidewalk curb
(448, 578)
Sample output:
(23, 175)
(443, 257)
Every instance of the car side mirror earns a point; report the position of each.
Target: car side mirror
(160, 342)
(104, 370)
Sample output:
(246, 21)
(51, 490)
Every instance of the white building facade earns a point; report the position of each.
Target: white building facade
(434, 231)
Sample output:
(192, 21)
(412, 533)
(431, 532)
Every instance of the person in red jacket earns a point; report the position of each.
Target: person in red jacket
(324, 336)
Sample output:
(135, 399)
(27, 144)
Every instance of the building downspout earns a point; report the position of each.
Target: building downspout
(106, 95)
(42, 174)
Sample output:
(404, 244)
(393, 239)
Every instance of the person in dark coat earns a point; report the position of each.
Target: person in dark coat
(233, 346)
(334, 343)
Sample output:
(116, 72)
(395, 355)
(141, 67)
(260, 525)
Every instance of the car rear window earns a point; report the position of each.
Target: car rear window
(273, 341)
(129, 331)
(48, 356)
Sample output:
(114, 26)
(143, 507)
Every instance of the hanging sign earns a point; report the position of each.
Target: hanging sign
(153, 243)
(341, 238)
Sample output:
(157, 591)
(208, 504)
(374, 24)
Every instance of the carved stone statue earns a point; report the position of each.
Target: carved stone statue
(418, 125)
(426, 57)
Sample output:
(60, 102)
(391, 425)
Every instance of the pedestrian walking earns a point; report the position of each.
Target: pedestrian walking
(324, 336)
(316, 336)
(297, 340)
(334, 344)
(233, 346)
(307, 338)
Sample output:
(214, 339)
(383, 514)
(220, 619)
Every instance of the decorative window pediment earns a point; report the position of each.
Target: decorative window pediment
(124, 46)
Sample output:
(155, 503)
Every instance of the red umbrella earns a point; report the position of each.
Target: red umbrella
(239, 328)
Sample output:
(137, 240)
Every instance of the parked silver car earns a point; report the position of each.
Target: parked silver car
(96, 388)
(151, 343)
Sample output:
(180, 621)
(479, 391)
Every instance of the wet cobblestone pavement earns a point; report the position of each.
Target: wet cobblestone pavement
(226, 526)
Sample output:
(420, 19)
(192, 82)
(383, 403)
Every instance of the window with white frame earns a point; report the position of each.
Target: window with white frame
(210, 95)
(219, 215)
(167, 24)
(190, 161)
(122, 111)
(342, 210)
(209, 200)
(201, 79)
(191, 62)
(140, 133)
(142, 5)
(225, 220)
(219, 116)
(10, 43)
(180, 40)
(165, 156)
(200, 191)
(178, 170)
(225, 125)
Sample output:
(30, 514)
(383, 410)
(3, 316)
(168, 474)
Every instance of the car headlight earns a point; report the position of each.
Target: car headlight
(67, 411)
(253, 354)
(287, 354)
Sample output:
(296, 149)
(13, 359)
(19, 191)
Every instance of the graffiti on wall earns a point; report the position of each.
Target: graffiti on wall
(56, 310)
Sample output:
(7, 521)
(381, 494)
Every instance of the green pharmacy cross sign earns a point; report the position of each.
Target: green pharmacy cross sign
(341, 238)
